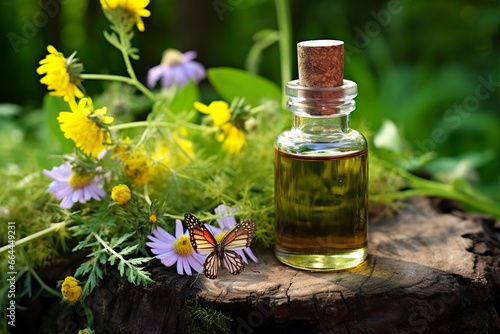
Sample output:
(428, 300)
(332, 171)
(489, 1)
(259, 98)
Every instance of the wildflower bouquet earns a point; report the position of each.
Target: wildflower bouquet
(125, 183)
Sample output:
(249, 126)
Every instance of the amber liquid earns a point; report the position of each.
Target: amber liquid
(321, 205)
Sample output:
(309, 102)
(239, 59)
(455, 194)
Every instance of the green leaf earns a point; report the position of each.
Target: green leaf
(52, 106)
(112, 39)
(388, 137)
(232, 82)
(121, 267)
(185, 97)
(262, 40)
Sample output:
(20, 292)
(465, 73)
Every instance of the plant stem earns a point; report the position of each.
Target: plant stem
(38, 279)
(53, 228)
(119, 78)
(284, 27)
(141, 124)
(109, 249)
(423, 187)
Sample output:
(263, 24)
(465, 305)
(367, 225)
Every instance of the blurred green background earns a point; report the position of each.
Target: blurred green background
(430, 67)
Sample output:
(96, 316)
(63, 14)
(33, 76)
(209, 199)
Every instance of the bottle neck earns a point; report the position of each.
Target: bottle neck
(321, 101)
(320, 126)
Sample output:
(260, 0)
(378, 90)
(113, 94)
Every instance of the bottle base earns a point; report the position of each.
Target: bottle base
(322, 262)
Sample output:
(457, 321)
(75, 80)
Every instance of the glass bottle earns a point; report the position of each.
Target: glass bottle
(321, 181)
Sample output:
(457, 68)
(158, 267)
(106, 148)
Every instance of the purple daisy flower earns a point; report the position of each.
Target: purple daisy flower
(71, 187)
(169, 249)
(176, 68)
(225, 223)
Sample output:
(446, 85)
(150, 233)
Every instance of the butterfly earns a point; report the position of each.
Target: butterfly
(220, 254)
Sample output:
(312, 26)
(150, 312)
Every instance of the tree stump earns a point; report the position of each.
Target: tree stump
(427, 271)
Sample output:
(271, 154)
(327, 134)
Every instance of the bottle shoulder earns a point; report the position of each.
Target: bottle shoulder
(343, 142)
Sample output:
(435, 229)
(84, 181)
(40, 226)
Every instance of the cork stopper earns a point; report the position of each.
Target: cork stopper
(321, 63)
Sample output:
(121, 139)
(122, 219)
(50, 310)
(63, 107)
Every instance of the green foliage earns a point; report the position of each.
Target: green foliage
(52, 106)
(231, 83)
(205, 320)
(115, 252)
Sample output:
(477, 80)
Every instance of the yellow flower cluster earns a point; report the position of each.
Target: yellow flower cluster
(178, 152)
(138, 168)
(232, 138)
(70, 289)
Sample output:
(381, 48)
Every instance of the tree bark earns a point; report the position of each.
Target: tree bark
(427, 271)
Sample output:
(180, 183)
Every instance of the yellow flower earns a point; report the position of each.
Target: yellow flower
(233, 139)
(86, 331)
(153, 219)
(121, 194)
(231, 136)
(70, 289)
(135, 9)
(177, 154)
(138, 168)
(62, 75)
(218, 110)
(121, 151)
(86, 127)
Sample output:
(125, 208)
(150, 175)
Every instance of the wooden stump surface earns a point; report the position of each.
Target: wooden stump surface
(427, 272)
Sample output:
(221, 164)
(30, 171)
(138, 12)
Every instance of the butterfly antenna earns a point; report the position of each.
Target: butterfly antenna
(191, 285)
(249, 267)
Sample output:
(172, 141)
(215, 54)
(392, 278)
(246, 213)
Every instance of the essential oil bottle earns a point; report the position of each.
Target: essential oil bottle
(321, 167)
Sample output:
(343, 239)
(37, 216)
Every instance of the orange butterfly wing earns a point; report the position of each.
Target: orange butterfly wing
(223, 254)
(201, 239)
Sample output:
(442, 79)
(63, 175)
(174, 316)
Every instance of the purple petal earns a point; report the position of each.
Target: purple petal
(249, 252)
(161, 246)
(62, 192)
(180, 75)
(77, 195)
(66, 203)
(163, 235)
(171, 260)
(180, 266)
(178, 229)
(162, 255)
(195, 71)
(97, 191)
(193, 262)
(213, 229)
(189, 55)
(154, 74)
(242, 254)
(167, 79)
(62, 172)
(187, 268)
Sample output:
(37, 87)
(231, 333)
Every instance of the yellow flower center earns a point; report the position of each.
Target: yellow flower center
(153, 219)
(220, 236)
(172, 57)
(182, 246)
(77, 181)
